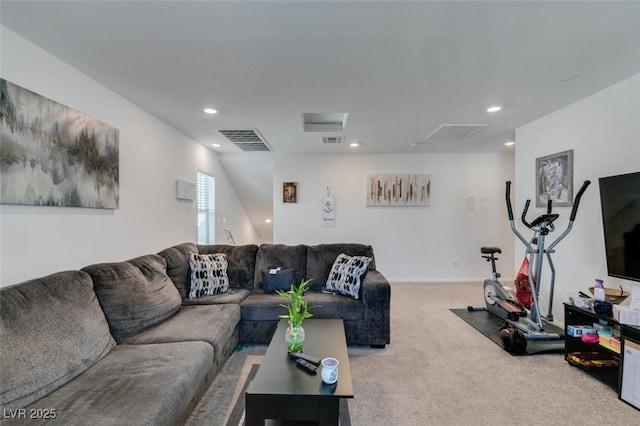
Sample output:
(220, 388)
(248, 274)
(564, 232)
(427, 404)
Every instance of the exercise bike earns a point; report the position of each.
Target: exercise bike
(524, 324)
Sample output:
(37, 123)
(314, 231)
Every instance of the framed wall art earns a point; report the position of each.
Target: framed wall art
(398, 190)
(52, 155)
(554, 179)
(289, 192)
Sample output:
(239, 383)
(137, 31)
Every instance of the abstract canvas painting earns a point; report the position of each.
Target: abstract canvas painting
(52, 155)
(398, 190)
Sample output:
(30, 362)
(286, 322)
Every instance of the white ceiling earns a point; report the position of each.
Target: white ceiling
(399, 69)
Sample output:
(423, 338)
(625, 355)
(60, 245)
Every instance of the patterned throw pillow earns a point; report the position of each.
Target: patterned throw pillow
(208, 274)
(346, 275)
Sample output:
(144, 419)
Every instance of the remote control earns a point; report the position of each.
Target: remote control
(301, 355)
(306, 366)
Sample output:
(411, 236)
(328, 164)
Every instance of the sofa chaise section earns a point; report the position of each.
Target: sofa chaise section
(133, 385)
(57, 356)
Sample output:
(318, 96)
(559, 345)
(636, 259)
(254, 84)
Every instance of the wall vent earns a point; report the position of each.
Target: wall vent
(246, 139)
(333, 139)
(454, 132)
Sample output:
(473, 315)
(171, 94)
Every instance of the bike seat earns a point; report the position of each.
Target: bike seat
(490, 250)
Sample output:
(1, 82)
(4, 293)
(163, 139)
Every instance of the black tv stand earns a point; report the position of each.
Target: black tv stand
(603, 363)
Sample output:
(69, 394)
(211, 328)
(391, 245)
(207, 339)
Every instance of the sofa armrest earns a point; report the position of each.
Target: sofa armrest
(376, 296)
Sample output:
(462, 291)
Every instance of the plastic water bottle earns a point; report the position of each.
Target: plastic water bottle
(598, 291)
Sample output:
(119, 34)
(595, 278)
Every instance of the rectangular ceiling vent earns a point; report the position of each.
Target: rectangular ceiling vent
(333, 139)
(454, 132)
(324, 121)
(246, 139)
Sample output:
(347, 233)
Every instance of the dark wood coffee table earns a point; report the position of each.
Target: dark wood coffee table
(283, 391)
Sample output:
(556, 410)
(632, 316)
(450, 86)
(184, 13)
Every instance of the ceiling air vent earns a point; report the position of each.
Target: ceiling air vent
(246, 139)
(333, 139)
(454, 132)
(324, 121)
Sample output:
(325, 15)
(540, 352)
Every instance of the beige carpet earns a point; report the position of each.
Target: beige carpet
(438, 370)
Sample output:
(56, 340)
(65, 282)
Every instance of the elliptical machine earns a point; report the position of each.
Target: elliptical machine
(522, 324)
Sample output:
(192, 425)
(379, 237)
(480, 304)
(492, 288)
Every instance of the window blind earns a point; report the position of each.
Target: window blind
(206, 208)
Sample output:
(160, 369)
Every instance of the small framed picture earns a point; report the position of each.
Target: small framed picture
(554, 179)
(289, 192)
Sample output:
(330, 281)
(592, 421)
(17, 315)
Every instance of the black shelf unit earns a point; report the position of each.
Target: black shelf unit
(611, 375)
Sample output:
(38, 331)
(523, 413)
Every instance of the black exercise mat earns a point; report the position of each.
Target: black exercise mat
(489, 325)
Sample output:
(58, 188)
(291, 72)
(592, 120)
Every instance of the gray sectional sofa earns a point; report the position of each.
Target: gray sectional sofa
(121, 343)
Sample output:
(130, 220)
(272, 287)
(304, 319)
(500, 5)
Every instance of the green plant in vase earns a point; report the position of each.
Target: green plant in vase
(298, 311)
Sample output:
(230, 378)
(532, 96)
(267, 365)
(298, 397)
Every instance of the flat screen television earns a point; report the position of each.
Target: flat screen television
(620, 203)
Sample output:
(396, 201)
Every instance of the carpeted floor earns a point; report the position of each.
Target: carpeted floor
(438, 370)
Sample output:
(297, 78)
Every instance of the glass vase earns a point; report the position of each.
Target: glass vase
(294, 338)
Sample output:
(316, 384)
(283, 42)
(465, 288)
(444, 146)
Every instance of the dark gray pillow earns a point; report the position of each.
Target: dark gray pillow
(135, 294)
(282, 279)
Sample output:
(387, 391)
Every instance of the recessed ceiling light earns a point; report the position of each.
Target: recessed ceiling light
(510, 143)
(268, 220)
(494, 108)
(210, 111)
(216, 145)
(354, 144)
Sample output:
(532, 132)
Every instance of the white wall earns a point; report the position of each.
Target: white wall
(39, 240)
(410, 243)
(604, 132)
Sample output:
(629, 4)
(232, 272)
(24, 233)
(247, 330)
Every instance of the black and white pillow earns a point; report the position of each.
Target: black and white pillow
(281, 279)
(208, 274)
(346, 275)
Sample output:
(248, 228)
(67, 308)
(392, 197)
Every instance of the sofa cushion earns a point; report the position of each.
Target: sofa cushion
(234, 295)
(242, 261)
(347, 273)
(133, 385)
(135, 294)
(272, 256)
(177, 260)
(51, 330)
(213, 324)
(320, 259)
(278, 280)
(259, 306)
(208, 274)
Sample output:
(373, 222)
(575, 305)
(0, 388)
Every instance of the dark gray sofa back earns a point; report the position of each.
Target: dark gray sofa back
(135, 294)
(320, 259)
(283, 256)
(51, 330)
(177, 259)
(242, 261)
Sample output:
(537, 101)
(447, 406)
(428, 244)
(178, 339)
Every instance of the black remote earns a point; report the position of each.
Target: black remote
(306, 366)
(301, 355)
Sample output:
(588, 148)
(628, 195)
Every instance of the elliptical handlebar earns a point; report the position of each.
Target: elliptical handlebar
(524, 214)
(576, 202)
(572, 217)
(508, 197)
